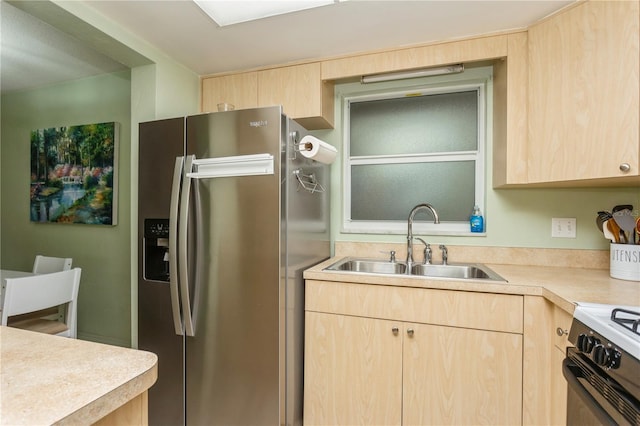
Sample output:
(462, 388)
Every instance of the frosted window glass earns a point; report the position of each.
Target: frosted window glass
(390, 191)
(411, 125)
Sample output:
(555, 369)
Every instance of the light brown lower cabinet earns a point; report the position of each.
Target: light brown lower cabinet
(365, 370)
(133, 413)
(353, 371)
(558, 389)
(459, 376)
(562, 323)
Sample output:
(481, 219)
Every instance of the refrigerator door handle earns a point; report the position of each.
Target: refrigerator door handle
(240, 165)
(182, 246)
(173, 245)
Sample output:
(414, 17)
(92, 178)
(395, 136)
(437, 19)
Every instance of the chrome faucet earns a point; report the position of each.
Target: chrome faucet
(410, 229)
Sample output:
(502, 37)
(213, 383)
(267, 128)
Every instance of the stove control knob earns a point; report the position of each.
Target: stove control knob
(603, 356)
(586, 343)
(581, 342)
(616, 356)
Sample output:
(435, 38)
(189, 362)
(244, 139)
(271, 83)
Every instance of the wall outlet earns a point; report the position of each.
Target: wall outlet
(564, 227)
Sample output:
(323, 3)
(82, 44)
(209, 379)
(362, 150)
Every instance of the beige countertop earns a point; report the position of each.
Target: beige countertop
(48, 379)
(563, 286)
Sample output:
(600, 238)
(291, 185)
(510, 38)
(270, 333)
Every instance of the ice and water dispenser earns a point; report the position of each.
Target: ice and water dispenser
(156, 249)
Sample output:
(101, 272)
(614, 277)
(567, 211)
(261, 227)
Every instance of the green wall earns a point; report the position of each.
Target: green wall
(103, 252)
(157, 87)
(513, 217)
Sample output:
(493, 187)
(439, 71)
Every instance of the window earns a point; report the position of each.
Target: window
(404, 148)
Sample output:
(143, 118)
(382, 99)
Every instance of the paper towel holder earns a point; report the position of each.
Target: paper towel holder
(295, 139)
(296, 144)
(308, 182)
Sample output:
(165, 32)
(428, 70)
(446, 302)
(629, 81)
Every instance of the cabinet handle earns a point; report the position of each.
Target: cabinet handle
(560, 332)
(625, 167)
(410, 332)
(395, 330)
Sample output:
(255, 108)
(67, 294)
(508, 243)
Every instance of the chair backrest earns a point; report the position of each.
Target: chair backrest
(46, 264)
(38, 292)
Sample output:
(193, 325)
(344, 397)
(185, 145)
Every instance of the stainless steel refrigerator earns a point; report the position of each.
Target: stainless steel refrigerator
(230, 214)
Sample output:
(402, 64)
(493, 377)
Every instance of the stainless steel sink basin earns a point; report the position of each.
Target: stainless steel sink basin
(369, 266)
(462, 271)
(466, 271)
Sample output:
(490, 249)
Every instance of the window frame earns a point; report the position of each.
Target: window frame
(424, 223)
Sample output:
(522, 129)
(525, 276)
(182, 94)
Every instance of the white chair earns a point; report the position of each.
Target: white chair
(39, 292)
(46, 264)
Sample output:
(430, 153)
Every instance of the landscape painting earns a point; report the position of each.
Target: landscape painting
(73, 174)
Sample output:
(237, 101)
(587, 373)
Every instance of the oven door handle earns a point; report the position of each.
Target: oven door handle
(575, 384)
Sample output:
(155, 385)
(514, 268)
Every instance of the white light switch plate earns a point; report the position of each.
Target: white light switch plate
(563, 227)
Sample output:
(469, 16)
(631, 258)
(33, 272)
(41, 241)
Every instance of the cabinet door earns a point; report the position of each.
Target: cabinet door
(239, 90)
(561, 321)
(510, 81)
(561, 325)
(353, 371)
(301, 92)
(584, 93)
(461, 376)
(558, 389)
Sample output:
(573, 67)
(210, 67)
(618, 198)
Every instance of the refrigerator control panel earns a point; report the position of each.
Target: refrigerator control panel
(156, 250)
(156, 228)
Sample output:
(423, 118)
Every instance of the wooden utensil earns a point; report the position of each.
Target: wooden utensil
(614, 229)
(608, 234)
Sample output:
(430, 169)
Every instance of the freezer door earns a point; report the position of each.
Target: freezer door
(233, 361)
(160, 143)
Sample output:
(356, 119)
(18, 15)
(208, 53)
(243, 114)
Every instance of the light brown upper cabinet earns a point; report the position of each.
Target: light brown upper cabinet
(436, 54)
(240, 90)
(301, 92)
(584, 95)
(510, 113)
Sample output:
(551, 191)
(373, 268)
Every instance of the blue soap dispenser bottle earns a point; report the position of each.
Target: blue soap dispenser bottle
(476, 221)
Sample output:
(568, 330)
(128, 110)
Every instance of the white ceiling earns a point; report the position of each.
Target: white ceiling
(36, 54)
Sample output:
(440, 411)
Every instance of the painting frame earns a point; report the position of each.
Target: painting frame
(74, 174)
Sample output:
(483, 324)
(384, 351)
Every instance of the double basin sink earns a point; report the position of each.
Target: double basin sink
(466, 271)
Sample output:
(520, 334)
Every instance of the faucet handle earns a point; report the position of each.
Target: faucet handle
(445, 254)
(392, 255)
(426, 252)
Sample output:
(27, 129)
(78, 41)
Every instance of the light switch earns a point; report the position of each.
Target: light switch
(564, 227)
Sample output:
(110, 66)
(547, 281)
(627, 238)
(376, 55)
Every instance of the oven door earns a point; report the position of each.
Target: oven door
(593, 398)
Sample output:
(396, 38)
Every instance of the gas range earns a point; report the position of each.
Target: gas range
(607, 357)
(619, 325)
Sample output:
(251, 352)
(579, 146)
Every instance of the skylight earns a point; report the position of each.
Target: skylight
(228, 12)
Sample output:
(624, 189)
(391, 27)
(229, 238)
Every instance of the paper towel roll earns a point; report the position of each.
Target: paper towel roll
(315, 149)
